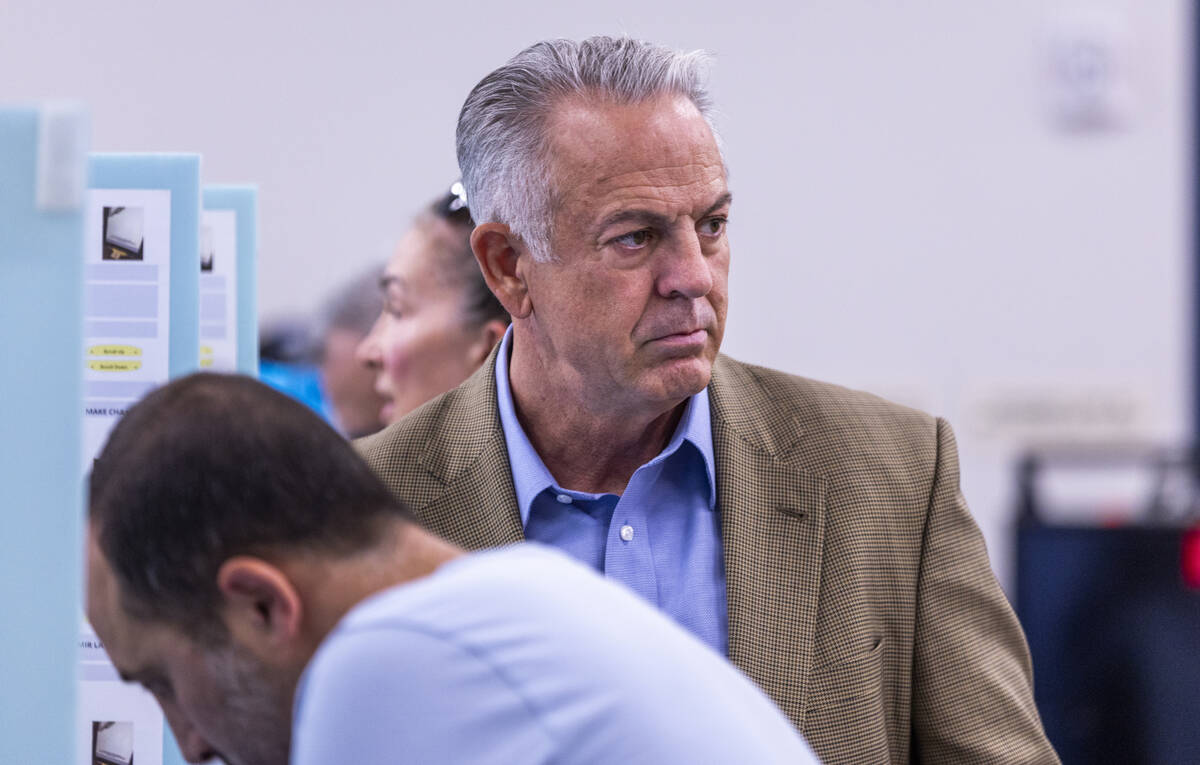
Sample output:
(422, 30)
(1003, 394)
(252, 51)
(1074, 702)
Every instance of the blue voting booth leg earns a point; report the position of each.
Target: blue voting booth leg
(41, 334)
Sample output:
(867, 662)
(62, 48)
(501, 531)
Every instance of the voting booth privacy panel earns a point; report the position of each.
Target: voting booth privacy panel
(141, 326)
(114, 278)
(42, 177)
(170, 281)
(170, 287)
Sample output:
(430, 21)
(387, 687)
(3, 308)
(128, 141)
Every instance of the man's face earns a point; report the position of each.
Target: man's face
(632, 308)
(217, 700)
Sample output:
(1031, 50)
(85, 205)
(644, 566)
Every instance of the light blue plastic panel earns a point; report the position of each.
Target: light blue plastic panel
(179, 174)
(43, 171)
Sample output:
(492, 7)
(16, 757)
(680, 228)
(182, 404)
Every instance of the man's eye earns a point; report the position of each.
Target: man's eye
(713, 226)
(634, 240)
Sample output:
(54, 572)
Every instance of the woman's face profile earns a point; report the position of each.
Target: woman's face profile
(423, 343)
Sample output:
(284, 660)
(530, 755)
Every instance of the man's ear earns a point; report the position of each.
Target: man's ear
(502, 257)
(261, 605)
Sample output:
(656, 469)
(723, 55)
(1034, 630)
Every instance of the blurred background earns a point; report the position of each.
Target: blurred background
(984, 210)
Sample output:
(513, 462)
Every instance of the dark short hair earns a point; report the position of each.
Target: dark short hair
(481, 305)
(212, 466)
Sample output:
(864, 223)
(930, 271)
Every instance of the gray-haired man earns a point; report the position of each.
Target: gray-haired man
(815, 535)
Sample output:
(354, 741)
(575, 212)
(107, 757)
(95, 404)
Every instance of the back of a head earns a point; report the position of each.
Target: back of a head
(212, 466)
(354, 306)
(348, 387)
(501, 142)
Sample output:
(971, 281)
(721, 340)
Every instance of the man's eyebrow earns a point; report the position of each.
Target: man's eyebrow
(655, 219)
(635, 215)
(724, 200)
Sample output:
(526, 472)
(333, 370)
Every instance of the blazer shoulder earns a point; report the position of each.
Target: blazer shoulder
(394, 452)
(414, 429)
(838, 425)
(438, 441)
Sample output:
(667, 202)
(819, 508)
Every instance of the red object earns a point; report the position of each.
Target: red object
(1190, 560)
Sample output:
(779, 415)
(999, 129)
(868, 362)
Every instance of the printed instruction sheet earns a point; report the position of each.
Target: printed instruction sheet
(218, 291)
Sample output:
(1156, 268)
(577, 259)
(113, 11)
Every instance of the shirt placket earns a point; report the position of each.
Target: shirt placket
(628, 555)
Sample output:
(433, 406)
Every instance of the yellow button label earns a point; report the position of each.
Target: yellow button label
(114, 366)
(114, 350)
(206, 350)
(206, 362)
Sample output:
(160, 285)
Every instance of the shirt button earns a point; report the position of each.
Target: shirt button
(627, 533)
(564, 498)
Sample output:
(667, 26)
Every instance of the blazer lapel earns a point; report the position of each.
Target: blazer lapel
(466, 454)
(772, 524)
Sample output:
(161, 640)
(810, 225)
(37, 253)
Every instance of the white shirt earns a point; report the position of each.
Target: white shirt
(521, 655)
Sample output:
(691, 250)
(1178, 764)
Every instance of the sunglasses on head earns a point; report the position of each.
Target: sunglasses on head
(453, 206)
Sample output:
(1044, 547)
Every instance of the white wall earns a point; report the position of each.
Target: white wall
(909, 217)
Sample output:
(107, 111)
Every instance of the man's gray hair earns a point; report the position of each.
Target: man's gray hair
(503, 151)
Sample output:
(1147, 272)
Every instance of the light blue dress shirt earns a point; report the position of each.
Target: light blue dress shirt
(520, 656)
(661, 538)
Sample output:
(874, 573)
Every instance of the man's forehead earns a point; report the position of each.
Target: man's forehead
(659, 150)
(668, 128)
(103, 599)
(598, 111)
(134, 648)
(99, 578)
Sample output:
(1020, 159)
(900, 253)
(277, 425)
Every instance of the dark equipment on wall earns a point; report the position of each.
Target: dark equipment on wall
(1112, 612)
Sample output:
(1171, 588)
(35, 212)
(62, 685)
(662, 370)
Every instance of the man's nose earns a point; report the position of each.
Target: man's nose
(192, 745)
(196, 749)
(685, 271)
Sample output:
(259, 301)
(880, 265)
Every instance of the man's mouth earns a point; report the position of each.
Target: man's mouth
(684, 338)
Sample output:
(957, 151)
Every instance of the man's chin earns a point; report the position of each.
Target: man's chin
(680, 378)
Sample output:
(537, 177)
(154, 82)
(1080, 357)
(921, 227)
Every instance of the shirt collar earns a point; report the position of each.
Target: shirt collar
(530, 475)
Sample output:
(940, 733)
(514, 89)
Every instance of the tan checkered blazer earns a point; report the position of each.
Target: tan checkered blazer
(860, 595)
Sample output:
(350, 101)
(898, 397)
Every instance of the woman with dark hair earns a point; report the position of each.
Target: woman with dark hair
(439, 320)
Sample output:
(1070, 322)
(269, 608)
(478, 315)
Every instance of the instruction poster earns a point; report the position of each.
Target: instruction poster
(127, 276)
(116, 721)
(127, 273)
(218, 291)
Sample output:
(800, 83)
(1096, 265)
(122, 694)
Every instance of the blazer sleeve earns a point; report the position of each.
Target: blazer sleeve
(972, 676)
